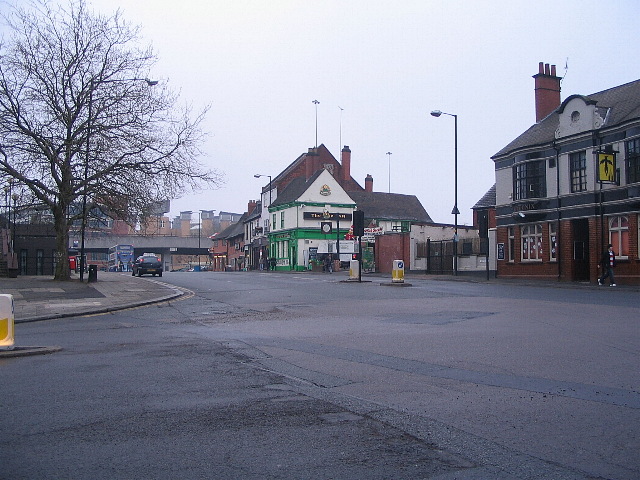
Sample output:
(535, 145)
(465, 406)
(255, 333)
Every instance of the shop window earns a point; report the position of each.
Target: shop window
(619, 235)
(553, 242)
(531, 236)
(512, 244)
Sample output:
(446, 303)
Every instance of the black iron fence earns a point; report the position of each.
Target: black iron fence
(440, 253)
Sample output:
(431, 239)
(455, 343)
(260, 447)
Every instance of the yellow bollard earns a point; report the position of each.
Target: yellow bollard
(397, 274)
(354, 270)
(6, 321)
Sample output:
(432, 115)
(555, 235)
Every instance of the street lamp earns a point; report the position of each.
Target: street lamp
(92, 85)
(14, 197)
(258, 175)
(316, 102)
(389, 155)
(455, 212)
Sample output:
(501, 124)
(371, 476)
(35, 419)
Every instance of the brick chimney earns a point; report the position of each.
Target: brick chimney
(310, 163)
(547, 89)
(251, 206)
(368, 183)
(346, 163)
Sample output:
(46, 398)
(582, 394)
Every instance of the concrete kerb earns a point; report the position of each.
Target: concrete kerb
(101, 310)
(14, 352)
(113, 293)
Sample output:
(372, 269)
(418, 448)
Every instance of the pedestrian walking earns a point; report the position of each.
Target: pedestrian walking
(328, 264)
(608, 261)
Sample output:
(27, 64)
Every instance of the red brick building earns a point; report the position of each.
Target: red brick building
(570, 185)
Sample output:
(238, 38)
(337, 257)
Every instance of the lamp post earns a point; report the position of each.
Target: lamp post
(341, 110)
(199, 236)
(389, 155)
(455, 211)
(92, 86)
(316, 102)
(14, 197)
(258, 175)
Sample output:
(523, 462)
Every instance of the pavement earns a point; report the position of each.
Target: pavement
(37, 298)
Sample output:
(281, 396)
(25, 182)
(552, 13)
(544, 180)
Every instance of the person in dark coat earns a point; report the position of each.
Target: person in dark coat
(608, 261)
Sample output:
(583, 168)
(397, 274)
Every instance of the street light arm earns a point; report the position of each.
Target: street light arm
(258, 175)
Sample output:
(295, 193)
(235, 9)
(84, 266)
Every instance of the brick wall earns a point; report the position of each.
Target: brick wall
(390, 247)
(627, 270)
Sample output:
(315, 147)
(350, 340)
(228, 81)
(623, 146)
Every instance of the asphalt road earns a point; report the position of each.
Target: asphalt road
(304, 376)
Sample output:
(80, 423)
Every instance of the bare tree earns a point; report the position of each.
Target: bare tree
(81, 124)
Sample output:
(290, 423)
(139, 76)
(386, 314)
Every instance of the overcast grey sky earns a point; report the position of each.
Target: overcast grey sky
(260, 64)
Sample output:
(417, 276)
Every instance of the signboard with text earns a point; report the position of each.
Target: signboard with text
(326, 216)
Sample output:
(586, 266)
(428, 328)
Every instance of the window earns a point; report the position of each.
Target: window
(553, 243)
(282, 219)
(633, 160)
(512, 244)
(529, 180)
(531, 243)
(273, 222)
(578, 171)
(23, 261)
(619, 235)
(39, 262)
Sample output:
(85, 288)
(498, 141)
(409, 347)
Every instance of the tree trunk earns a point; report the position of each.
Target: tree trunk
(62, 245)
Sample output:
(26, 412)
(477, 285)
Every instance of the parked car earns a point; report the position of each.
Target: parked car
(147, 263)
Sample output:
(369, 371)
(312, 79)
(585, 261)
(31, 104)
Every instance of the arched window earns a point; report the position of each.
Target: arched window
(619, 235)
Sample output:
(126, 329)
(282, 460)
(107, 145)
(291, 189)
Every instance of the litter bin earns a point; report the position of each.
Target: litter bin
(93, 273)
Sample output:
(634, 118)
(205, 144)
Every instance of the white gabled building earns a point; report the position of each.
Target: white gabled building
(307, 220)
